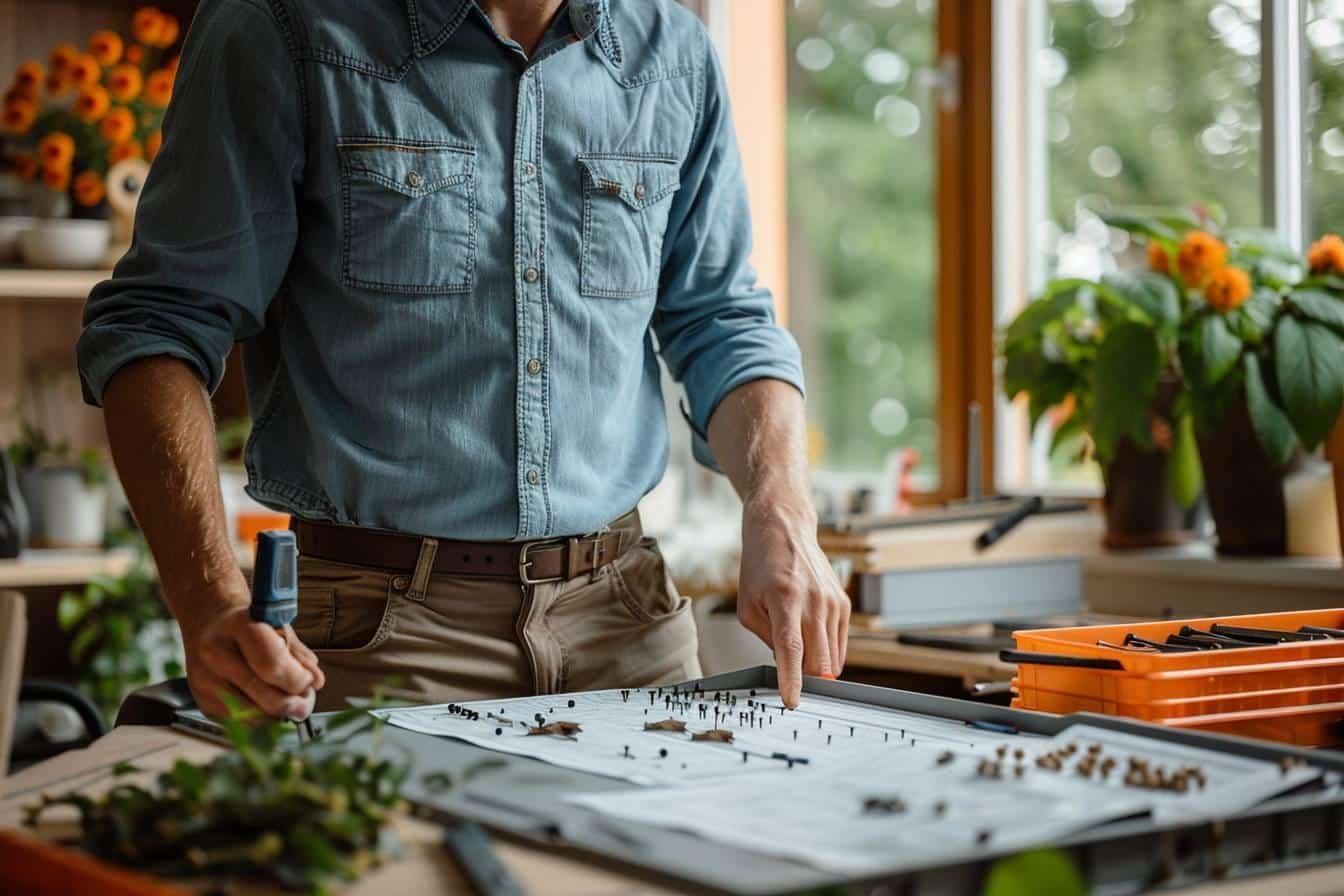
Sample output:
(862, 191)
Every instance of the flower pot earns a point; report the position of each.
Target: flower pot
(64, 243)
(1141, 511)
(70, 513)
(1244, 488)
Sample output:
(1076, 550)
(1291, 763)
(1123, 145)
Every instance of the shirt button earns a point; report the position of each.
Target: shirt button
(640, 191)
(531, 275)
(414, 179)
(529, 170)
(534, 366)
(533, 477)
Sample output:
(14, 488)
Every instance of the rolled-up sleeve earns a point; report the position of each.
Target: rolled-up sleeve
(715, 324)
(217, 220)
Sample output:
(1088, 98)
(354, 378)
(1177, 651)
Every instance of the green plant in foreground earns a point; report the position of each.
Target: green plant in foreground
(306, 815)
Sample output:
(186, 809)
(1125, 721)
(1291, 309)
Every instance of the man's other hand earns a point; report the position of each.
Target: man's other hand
(252, 662)
(789, 596)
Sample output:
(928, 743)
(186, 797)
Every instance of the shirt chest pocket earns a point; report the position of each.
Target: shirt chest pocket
(410, 216)
(625, 204)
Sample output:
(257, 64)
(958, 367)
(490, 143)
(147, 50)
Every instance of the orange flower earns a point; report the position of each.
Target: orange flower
(19, 114)
(124, 82)
(58, 83)
(56, 150)
(1158, 259)
(27, 93)
(88, 188)
(29, 77)
(62, 58)
(106, 47)
(118, 125)
(56, 178)
(85, 71)
(128, 150)
(135, 53)
(92, 104)
(25, 166)
(168, 31)
(147, 24)
(159, 87)
(1227, 288)
(1326, 255)
(153, 143)
(1200, 255)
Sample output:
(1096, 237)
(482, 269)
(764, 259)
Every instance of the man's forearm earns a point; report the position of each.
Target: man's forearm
(758, 434)
(161, 430)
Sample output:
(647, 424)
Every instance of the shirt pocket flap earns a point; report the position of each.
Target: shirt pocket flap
(412, 170)
(639, 180)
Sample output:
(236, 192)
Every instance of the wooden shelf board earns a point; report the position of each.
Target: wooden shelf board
(28, 283)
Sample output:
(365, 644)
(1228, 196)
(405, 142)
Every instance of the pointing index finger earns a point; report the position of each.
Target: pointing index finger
(786, 637)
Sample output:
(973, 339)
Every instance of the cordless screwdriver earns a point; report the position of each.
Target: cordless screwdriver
(275, 590)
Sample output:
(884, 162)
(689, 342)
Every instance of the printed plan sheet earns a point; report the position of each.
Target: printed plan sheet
(848, 787)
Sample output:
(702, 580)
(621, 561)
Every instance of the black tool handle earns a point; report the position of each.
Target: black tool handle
(1008, 522)
(1057, 659)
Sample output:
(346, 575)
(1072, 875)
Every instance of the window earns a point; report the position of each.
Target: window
(1325, 108)
(862, 227)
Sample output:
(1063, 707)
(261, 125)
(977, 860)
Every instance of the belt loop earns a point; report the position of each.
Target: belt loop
(424, 567)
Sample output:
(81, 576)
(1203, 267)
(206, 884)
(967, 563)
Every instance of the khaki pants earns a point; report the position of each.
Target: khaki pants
(456, 638)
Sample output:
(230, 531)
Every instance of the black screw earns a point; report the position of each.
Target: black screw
(662, 753)
(499, 731)
(828, 740)
(571, 704)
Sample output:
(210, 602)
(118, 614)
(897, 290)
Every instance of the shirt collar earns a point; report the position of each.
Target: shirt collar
(434, 21)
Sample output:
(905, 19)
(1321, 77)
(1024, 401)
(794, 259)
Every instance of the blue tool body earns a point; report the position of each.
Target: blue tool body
(275, 587)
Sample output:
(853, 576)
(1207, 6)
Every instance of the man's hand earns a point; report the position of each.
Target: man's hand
(254, 663)
(790, 598)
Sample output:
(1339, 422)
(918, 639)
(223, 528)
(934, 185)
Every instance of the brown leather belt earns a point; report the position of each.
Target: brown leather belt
(526, 562)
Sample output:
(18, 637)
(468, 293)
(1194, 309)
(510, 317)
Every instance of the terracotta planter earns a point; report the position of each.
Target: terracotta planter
(1141, 511)
(1244, 488)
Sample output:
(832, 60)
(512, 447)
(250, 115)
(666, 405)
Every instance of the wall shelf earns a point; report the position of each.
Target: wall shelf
(31, 284)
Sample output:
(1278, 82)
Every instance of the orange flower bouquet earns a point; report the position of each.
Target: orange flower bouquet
(66, 122)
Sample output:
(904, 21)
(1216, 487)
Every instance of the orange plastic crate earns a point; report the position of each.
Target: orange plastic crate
(1292, 692)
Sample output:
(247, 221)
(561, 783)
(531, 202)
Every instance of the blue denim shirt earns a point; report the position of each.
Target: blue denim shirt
(453, 267)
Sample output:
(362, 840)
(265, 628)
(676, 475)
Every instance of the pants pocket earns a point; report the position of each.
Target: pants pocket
(643, 584)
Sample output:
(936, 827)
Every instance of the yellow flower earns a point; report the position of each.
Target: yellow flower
(29, 77)
(124, 82)
(56, 178)
(153, 143)
(1326, 255)
(85, 71)
(56, 150)
(19, 114)
(88, 189)
(118, 125)
(25, 166)
(146, 25)
(128, 150)
(159, 87)
(1227, 288)
(106, 47)
(1200, 255)
(62, 58)
(92, 104)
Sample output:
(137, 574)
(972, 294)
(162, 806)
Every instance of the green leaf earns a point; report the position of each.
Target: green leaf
(1218, 348)
(70, 609)
(1309, 368)
(1124, 383)
(1033, 872)
(1272, 427)
(1185, 475)
(1153, 294)
(1262, 242)
(84, 639)
(126, 768)
(1319, 306)
(1254, 318)
(1057, 298)
(1143, 225)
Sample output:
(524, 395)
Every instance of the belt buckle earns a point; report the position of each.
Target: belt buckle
(524, 563)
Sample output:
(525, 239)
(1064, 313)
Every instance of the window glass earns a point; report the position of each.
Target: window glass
(861, 156)
(1325, 110)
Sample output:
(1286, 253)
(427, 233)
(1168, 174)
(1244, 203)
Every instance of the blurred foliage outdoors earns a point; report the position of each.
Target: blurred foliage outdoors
(1150, 102)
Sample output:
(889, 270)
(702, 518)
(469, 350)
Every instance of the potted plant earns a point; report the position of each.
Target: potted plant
(1262, 359)
(1103, 356)
(66, 499)
(69, 121)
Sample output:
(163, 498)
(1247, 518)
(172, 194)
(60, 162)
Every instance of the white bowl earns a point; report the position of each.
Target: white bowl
(65, 243)
(10, 225)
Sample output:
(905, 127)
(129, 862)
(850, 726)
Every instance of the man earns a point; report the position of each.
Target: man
(453, 236)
